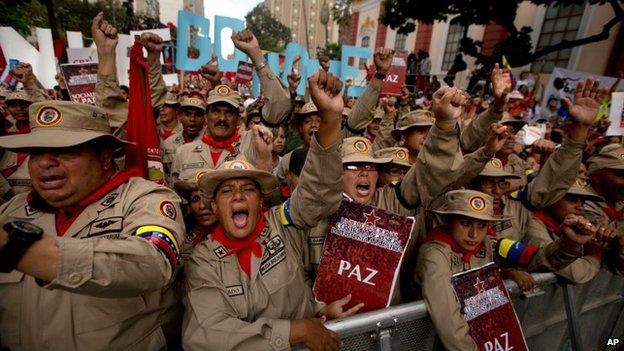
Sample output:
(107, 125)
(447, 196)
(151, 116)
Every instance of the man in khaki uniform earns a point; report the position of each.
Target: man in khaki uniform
(606, 177)
(168, 123)
(442, 255)
(246, 287)
(92, 260)
(411, 131)
(17, 104)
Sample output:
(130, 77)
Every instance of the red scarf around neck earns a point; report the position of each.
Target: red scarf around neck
(64, 217)
(227, 144)
(612, 213)
(437, 234)
(242, 248)
(550, 223)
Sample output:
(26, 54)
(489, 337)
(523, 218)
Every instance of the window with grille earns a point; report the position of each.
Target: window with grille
(560, 23)
(399, 42)
(455, 35)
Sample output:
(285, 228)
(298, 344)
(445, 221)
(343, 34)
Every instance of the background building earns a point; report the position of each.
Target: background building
(303, 17)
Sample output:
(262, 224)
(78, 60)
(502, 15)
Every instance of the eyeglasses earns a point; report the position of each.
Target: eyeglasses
(396, 171)
(500, 183)
(360, 167)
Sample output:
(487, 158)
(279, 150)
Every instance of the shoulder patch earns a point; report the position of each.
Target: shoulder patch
(168, 209)
(108, 200)
(30, 210)
(284, 212)
(221, 251)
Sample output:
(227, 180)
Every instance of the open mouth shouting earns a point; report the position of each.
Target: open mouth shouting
(363, 188)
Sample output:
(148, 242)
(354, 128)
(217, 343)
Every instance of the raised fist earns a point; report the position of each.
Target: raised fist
(23, 72)
(383, 59)
(325, 92)
(447, 106)
(152, 42)
(211, 73)
(246, 42)
(104, 34)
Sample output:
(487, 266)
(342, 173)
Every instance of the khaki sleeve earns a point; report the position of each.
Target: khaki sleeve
(384, 137)
(36, 91)
(210, 321)
(129, 265)
(593, 211)
(319, 192)
(555, 177)
(476, 132)
(363, 111)
(277, 105)
(176, 165)
(109, 97)
(471, 167)
(554, 257)
(434, 274)
(158, 88)
(247, 148)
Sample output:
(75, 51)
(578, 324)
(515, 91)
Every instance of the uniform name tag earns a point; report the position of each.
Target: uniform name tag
(193, 165)
(235, 290)
(316, 240)
(19, 182)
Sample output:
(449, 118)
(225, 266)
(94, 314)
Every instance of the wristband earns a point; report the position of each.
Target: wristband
(261, 66)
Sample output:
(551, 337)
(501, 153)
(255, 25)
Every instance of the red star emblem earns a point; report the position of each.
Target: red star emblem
(371, 218)
(480, 286)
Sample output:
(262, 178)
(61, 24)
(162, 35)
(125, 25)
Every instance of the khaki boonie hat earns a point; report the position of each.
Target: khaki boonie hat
(209, 181)
(416, 118)
(307, 109)
(359, 149)
(494, 168)
(223, 93)
(18, 95)
(187, 185)
(192, 101)
(469, 203)
(579, 188)
(610, 157)
(379, 114)
(55, 124)
(171, 99)
(399, 155)
(509, 120)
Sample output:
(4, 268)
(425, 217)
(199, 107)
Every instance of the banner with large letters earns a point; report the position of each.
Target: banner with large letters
(362, 255)
(81, 79)
(486, 307)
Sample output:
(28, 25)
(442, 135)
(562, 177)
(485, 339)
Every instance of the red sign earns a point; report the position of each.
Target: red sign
(81, 79)
(486, 306)
(244, 73)
(362, 255)
(395, 80)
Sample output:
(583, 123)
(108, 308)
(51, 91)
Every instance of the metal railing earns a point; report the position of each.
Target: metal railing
(554, 316)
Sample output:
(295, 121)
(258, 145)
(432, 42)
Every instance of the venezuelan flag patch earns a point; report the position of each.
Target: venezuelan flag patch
(164, 241)
(284, 212)
(515, 252)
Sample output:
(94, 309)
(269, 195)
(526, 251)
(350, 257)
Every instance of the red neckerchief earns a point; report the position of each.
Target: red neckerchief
(201, 236)
(242, 248)
(164, 133)
(64, 217)
(612, 213)
(548, 221)
(227, 144)
(437, 234)
(215, 156)
(504, 158)
(21, 157)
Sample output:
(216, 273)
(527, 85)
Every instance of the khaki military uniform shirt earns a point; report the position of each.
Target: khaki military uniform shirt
(614, 259)
(169, 148)
(19, 179)
(363, 111)
(226, 309)
(176, 131)
(113, 288)
(476, 133)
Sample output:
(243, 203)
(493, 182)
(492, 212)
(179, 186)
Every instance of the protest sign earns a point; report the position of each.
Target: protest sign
(244, 73)
(82, 55)
(486, 307)
(395, 80)
(616, 115)
(362, 255)
(80, 79)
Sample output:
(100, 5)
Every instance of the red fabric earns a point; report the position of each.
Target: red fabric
(437, 234)
(141, 126)
(20, 130)
(8, 171)
(242, 248)
(164, 134)
(215, 156)
(527, 254)
(284, 191)
(612, 213)
(550, 223)
(64, 217)
(227, 144)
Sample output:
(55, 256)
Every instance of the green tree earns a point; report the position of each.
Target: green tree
(332, 50)
(341, 13)
(272, 35)
(517, 47)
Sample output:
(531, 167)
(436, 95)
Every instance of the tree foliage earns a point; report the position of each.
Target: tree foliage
(403, 14)
(272, 35)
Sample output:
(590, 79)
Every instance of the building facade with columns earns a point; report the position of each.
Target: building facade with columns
(550, 25)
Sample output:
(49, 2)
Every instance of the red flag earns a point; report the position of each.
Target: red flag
(144, 154)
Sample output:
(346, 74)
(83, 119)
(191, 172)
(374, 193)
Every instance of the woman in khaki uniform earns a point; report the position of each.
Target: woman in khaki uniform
(461, 244)
(246, 287)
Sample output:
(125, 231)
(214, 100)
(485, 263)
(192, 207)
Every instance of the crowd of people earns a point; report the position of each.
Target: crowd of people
(224, 255)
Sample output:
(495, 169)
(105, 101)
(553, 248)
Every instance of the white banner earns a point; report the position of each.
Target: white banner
(562, 82)
(616, 115)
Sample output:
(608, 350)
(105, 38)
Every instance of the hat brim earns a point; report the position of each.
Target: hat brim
(182, 105)
(224, 100)
(586, 196)
(53, 138)
(185, 187)
(209, 182)
(172, 103)
(483, 217)
(401, 164)
(7, 99)
(366, 159)
(500, 175)
(396, 132)
(518, 122)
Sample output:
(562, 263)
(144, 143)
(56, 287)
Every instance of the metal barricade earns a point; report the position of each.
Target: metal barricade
(554, 316)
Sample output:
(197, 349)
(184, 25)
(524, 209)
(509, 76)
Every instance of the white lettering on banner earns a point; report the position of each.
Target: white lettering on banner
(85, 98)
(393, 78)
(483, 303)
(369, 234)
(496, 345)
(83, 79)
(357, 272)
